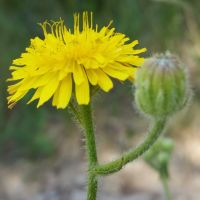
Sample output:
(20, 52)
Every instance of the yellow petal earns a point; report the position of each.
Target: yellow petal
(132, 44)
(43, 79)
(138, 51)
(92, 76)
(48, 90)
(18, 73)
(100, 59)
(36, 95)
(63, 93)
(104, 81)
(78, 74)
(121, 75)
(13, 88)
(83, 93)
(133, 60)
(27, 84)
(16, 97)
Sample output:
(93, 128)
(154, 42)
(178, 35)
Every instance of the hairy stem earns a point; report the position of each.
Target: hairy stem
(92, 184)
(75, 111)
(116, 165)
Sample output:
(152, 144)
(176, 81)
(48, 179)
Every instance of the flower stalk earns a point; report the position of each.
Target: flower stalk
(116, 165)
(87, 122)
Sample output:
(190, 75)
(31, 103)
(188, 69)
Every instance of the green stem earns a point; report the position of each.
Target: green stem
(75, 112)
(92, 184)
(131, 155)
(166, 188)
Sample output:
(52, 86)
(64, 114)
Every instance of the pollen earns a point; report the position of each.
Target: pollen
(69, 62)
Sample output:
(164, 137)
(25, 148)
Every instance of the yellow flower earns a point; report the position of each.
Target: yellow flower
(65, 59)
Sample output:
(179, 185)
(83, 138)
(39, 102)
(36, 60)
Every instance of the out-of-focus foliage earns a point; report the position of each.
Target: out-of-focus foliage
(158, 25)
(158, 157)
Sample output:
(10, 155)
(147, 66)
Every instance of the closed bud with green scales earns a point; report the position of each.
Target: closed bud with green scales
(162, 86)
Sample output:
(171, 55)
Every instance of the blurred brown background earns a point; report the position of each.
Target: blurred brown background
(42, 155)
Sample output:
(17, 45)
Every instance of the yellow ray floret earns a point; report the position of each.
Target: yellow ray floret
(67, 59)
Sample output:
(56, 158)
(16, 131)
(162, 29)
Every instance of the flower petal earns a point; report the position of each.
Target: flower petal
(78, 74)
(83, 93)
(121, 75)
(92, 76)
(48, 90)
(63, 93)
(104, 81)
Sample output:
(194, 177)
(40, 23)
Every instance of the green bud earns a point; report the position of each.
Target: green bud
(167, 144)
(163, 158)
(161, 86)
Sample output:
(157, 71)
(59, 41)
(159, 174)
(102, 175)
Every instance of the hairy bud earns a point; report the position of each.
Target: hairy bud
(161, 86)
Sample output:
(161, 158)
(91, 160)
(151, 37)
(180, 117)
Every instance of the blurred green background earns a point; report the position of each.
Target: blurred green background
(159, 25)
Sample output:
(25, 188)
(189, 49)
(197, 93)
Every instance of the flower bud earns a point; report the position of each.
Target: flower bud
(167, 145)
(163, 158)
(161, 86)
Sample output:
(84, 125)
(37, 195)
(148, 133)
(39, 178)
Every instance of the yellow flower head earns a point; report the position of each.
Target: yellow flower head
(65, 59)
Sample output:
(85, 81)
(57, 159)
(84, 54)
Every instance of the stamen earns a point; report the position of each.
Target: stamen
(43, 25)
(76, 23)
(91, 20)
